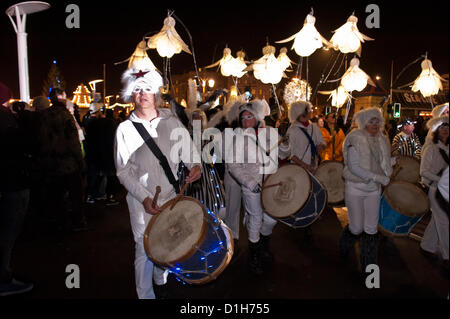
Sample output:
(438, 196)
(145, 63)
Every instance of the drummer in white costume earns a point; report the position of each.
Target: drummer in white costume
(140, 172)
(300, 149)
(250, 173)
(434, 163)
(368, 165)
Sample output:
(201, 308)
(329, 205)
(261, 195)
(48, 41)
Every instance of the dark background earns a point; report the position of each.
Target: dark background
(110, 30)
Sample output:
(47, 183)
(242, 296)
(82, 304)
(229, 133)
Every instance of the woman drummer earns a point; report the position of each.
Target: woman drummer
(249, 173)
(434, 162)
(367, 166)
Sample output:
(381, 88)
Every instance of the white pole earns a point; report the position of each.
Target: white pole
(22, 53)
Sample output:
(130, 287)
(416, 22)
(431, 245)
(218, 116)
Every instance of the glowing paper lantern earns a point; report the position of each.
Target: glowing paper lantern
(139, 60)
(429, 81)
(347, 38)
(230, 66)
(268, 69)
(284, 59)
(167, 42)
(296, 90)
(338, 97)
(308, 39)
(355, 79)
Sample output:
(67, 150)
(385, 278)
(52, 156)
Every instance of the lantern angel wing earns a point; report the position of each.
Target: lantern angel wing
(428, 82)
(347, 38)
(308, 39)
(167, 42)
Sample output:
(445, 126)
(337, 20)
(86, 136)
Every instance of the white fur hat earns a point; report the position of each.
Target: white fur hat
(147, 78)
(259, 108)
(202, 114)
(298, 108)
(439, 109)
(434, 123)
(363, 117)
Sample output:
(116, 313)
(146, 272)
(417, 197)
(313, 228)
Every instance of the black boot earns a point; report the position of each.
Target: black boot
(255, 258)
(266, 254)
(369, 250)
(347, 242)
(161, 291)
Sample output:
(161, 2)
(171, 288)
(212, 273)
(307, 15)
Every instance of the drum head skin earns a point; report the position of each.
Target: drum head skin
(172, 235)
(329, 174)
(408, 169)
(286, 199)
(407, 199)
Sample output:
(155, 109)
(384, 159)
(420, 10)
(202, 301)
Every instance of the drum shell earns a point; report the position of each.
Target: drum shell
(309, 211)
(393, 219)
(191, 267)
(407, 170)
(336, 182)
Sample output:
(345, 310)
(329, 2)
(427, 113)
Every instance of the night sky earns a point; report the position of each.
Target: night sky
(110, 31)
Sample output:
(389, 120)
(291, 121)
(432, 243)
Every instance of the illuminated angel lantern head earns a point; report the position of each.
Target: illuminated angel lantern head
(429, 81)
(296, 90)
(355, 79)
(139, 60)
(347, 38)
(167, 42)
(308, 39)
(268, 69)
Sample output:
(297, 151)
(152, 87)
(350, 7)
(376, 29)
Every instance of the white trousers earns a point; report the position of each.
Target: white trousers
(257, 221)
(144, 269)
(435, 239)
(363, 211)
(233, 196)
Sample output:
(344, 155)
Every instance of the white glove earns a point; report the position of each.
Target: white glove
(382, 179)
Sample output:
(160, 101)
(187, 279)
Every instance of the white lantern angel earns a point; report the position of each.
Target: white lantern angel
(139, 60)
(338, 96)
(167, 42)
(268, 69)
(355, 79)
(229, 65)
(347, 38)
(308, 39)
(429, 81)
(284, 59)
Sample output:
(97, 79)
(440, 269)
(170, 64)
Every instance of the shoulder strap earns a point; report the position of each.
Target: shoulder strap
(311, 142)
(444, 155)
(159, 155)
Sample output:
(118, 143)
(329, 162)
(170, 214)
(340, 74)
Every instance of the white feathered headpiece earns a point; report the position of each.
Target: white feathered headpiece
(259, 108)
(438, 110)
(298, 108)
(149, 78)
(434, 123)
(363, 117)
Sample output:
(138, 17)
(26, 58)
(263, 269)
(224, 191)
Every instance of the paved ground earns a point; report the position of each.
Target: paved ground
(104, 255)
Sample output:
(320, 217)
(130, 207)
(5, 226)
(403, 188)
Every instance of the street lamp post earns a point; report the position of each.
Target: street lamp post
(20, 11)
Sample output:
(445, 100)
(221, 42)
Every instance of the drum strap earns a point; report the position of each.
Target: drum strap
(159, 155)
(444, 155)
(313, 146)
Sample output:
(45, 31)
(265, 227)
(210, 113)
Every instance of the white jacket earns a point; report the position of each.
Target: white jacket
(299, 143)
(138, 169)
(432, 163)
(359, 163)
(250, 163)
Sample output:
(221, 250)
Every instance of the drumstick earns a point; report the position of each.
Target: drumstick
(276, 145)
(155, 199)
(180, 194)
(278, 184)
